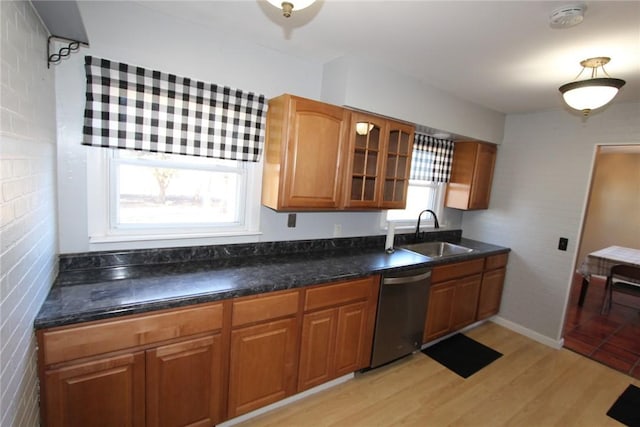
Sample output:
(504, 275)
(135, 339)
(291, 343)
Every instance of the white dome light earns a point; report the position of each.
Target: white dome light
(589, 94)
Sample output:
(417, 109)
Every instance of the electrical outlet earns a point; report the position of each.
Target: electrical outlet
(562, 243)
(337, 230)
(291, 220)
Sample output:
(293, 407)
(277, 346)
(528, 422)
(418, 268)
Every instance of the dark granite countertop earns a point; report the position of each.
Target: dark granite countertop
(92, 291)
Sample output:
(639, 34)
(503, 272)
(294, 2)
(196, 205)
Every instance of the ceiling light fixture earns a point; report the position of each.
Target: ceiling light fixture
(288, 6)
(589, 94)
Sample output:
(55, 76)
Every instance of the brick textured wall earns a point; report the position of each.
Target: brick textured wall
(28, 234)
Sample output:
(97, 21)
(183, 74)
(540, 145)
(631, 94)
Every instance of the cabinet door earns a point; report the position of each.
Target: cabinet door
(367, 139)
(262, 365)
(465, 301)
(438, 322)
(106, 392)
(471, 175)
(353, 347)
(482, 177)
(317, 348)
(491, 293)
(397, 165)
(303, 158)
(184, 383)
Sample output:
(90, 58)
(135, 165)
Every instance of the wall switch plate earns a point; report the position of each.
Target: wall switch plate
(337, 230)
(562, 243)
(291, 220)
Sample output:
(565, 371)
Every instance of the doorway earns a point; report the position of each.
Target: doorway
(612, 218)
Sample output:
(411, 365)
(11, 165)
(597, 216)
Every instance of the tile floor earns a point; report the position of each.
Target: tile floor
(612, 339)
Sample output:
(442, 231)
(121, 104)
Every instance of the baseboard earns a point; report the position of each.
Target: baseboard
(288, 400)
(543, 339)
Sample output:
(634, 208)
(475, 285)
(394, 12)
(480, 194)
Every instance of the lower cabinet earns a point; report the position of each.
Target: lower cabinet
(201, 365)
(262, 365)
(335, 342)
(184, 383)
(105, 392)
(452, 306)
(462, 293)
(172, 377)
(492, 284)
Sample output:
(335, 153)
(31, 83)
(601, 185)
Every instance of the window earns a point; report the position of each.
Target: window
(421, 195)
(157, 196)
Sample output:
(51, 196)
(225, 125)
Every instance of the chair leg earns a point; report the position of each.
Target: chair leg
(606, 299)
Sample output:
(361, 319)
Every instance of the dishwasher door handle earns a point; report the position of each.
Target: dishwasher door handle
(406, 279)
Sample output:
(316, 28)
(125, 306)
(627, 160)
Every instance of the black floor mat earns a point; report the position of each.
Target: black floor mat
(462, 355)
(627, 408)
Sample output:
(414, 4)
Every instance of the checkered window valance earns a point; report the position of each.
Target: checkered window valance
(135, 108)
(431, 159)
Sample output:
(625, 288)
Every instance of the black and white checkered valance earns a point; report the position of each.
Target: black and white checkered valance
(431, 159)
(135, 108)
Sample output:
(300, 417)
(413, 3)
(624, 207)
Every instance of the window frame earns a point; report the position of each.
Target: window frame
(410, 224)
(103, 234)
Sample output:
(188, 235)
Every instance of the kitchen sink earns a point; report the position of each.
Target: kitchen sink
(437, 249)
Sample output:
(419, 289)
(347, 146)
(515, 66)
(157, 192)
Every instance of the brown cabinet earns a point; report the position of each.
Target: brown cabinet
(337, 330)
(378, 162)
(324, 157)
(471, 175)
(453, 298)
(119, 372)
(264, 351)
(305, 145)
(184, 383)
(492, 284)
(462, 293)
(109, 391)
(203, 364)
(400, 137)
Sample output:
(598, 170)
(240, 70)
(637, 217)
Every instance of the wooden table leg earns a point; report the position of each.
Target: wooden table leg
(583, 291)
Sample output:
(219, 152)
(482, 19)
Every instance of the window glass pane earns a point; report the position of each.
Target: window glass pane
(147, 194)
(419, 197)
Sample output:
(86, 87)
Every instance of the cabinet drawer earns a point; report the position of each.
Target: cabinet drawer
(459, 269)
(496, 261)
(340, 293)
(74, 342)
(264, 307)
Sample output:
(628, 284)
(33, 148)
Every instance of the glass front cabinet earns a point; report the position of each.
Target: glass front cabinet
(378, 162)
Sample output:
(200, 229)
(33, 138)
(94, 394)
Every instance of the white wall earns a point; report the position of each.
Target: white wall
(151, 39)
(28, 237)
(374, 87)
(539, 194)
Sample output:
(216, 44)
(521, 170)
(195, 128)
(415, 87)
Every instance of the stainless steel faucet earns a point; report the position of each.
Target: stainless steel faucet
(435, 223)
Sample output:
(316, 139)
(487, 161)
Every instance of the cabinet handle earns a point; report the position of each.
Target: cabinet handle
(406, 279)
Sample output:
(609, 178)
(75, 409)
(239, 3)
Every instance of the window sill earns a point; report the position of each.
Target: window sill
(125, 241)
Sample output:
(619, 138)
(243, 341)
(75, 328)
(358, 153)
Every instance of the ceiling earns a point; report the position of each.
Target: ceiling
(500, 54)
(503, 55)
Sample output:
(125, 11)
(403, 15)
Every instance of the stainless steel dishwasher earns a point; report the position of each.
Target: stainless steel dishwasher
(402, 306)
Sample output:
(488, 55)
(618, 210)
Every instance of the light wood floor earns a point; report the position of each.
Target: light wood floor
(530, 385)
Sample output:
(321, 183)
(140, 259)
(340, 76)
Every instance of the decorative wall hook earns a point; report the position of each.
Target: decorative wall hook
(55, 58)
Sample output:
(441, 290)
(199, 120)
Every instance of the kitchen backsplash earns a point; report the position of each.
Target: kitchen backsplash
(92, 260)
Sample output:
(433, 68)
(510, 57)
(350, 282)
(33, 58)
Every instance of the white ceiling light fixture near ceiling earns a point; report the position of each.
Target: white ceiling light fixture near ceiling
(567, 16)
(288, 6)
(589, 94)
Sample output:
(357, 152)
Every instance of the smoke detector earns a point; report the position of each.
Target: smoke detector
(567, 16)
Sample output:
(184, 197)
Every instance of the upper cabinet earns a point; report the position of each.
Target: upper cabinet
(323, 157)
(397, 165)
(365, 161)
(378, 162)
(303, 166)
(471, 175)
